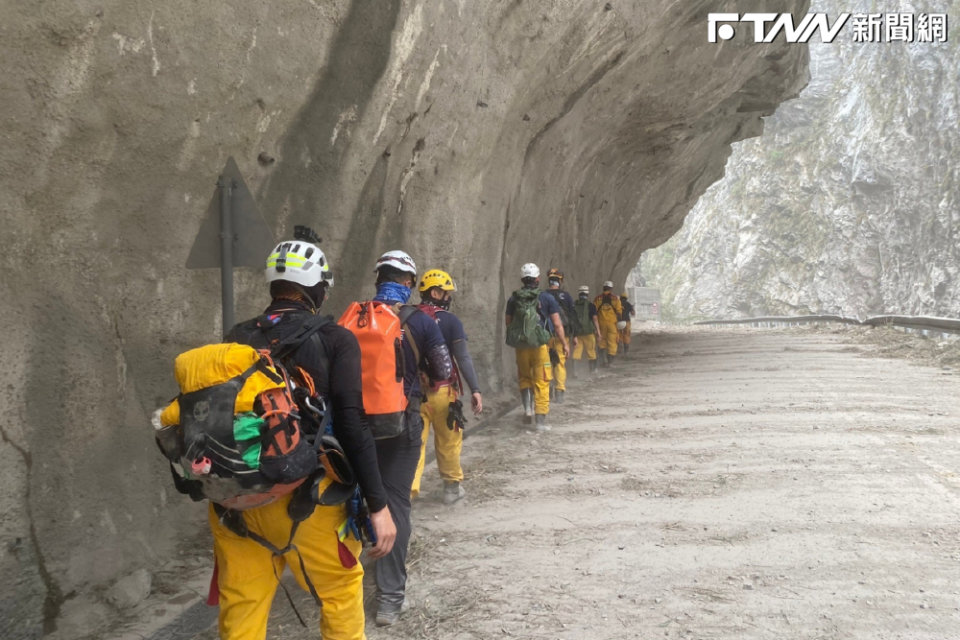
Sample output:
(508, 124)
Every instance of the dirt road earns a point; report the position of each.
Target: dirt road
(726, 483)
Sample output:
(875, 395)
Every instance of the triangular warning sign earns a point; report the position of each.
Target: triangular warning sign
(252, 238)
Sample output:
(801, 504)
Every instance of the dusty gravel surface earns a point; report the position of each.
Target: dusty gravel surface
(720, 483)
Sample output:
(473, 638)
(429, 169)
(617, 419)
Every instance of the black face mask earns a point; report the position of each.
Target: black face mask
(440, 304)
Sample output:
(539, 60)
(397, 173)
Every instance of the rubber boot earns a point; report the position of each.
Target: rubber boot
(560, 396)
(452, 492)
(626, 349)
(593, 366)
(610, 360)
(542, 423)
(604, 359)
(526, 395)
(572, 366)
(553, 392)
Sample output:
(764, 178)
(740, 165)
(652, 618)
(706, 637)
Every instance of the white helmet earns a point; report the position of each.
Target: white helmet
(530, 270)
(300, 262)
(608, 283)
(584, 289)
(398, 260)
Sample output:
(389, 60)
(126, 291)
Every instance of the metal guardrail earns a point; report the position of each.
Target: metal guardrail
(925, 324)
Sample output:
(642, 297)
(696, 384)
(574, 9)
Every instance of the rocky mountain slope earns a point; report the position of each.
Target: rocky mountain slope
(849, 203)
(476, 135)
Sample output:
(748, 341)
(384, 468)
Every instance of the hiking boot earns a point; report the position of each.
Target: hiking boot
(560, 396)
(388, 616)
(452, 492)
(542, 423)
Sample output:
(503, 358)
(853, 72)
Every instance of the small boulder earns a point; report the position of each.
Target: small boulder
(131, 590)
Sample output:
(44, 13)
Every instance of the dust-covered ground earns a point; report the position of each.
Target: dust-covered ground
(718, 483)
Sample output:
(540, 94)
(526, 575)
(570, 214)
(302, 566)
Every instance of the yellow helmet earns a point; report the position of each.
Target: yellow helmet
(436, 278)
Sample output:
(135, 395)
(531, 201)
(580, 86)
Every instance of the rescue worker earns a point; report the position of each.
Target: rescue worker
(609, 313)
(246, 570)
(557, 355)
(442, 409)
(533, 357)
(628, 312)
(398, 456)
(589, 328)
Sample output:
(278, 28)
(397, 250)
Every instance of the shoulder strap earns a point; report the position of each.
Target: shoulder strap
(308, 329)
(407, 311)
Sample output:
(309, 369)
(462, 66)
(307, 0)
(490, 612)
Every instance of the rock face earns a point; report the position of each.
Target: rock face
(476, 135)
(850, 202)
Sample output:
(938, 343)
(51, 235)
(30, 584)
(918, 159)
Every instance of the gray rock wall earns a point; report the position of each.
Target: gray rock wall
(476, 135)
(850, 203)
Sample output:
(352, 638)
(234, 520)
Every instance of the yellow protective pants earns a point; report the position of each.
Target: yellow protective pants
(446, 442)
(588, 343)
(609, 336)
(625, 335)
(559, 369)
(535, 371)
(247, 581)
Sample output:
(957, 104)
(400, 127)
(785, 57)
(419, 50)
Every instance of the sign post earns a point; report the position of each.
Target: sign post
(226, 186)
(232, 234)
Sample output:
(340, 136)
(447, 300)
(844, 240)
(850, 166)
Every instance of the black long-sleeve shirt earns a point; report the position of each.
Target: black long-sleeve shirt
(342, 389)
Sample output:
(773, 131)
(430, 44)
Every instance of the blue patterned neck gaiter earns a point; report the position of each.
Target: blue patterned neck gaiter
(392, 292)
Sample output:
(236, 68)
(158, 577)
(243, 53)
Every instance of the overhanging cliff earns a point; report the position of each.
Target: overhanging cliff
(475, 135)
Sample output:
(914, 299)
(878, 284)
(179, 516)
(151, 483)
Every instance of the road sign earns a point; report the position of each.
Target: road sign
(232, 234)
(252, 238)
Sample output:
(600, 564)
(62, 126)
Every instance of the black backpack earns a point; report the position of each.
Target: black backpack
(565, 319)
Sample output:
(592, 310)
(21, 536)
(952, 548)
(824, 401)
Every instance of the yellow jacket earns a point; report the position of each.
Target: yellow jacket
(609, 310)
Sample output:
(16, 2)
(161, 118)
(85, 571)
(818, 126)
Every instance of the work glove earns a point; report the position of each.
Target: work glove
(455, 418)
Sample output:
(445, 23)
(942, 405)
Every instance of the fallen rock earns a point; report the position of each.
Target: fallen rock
(131, 590)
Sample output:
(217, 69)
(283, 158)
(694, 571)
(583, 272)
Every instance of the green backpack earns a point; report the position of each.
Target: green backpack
(582, 318)
(526, 331)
